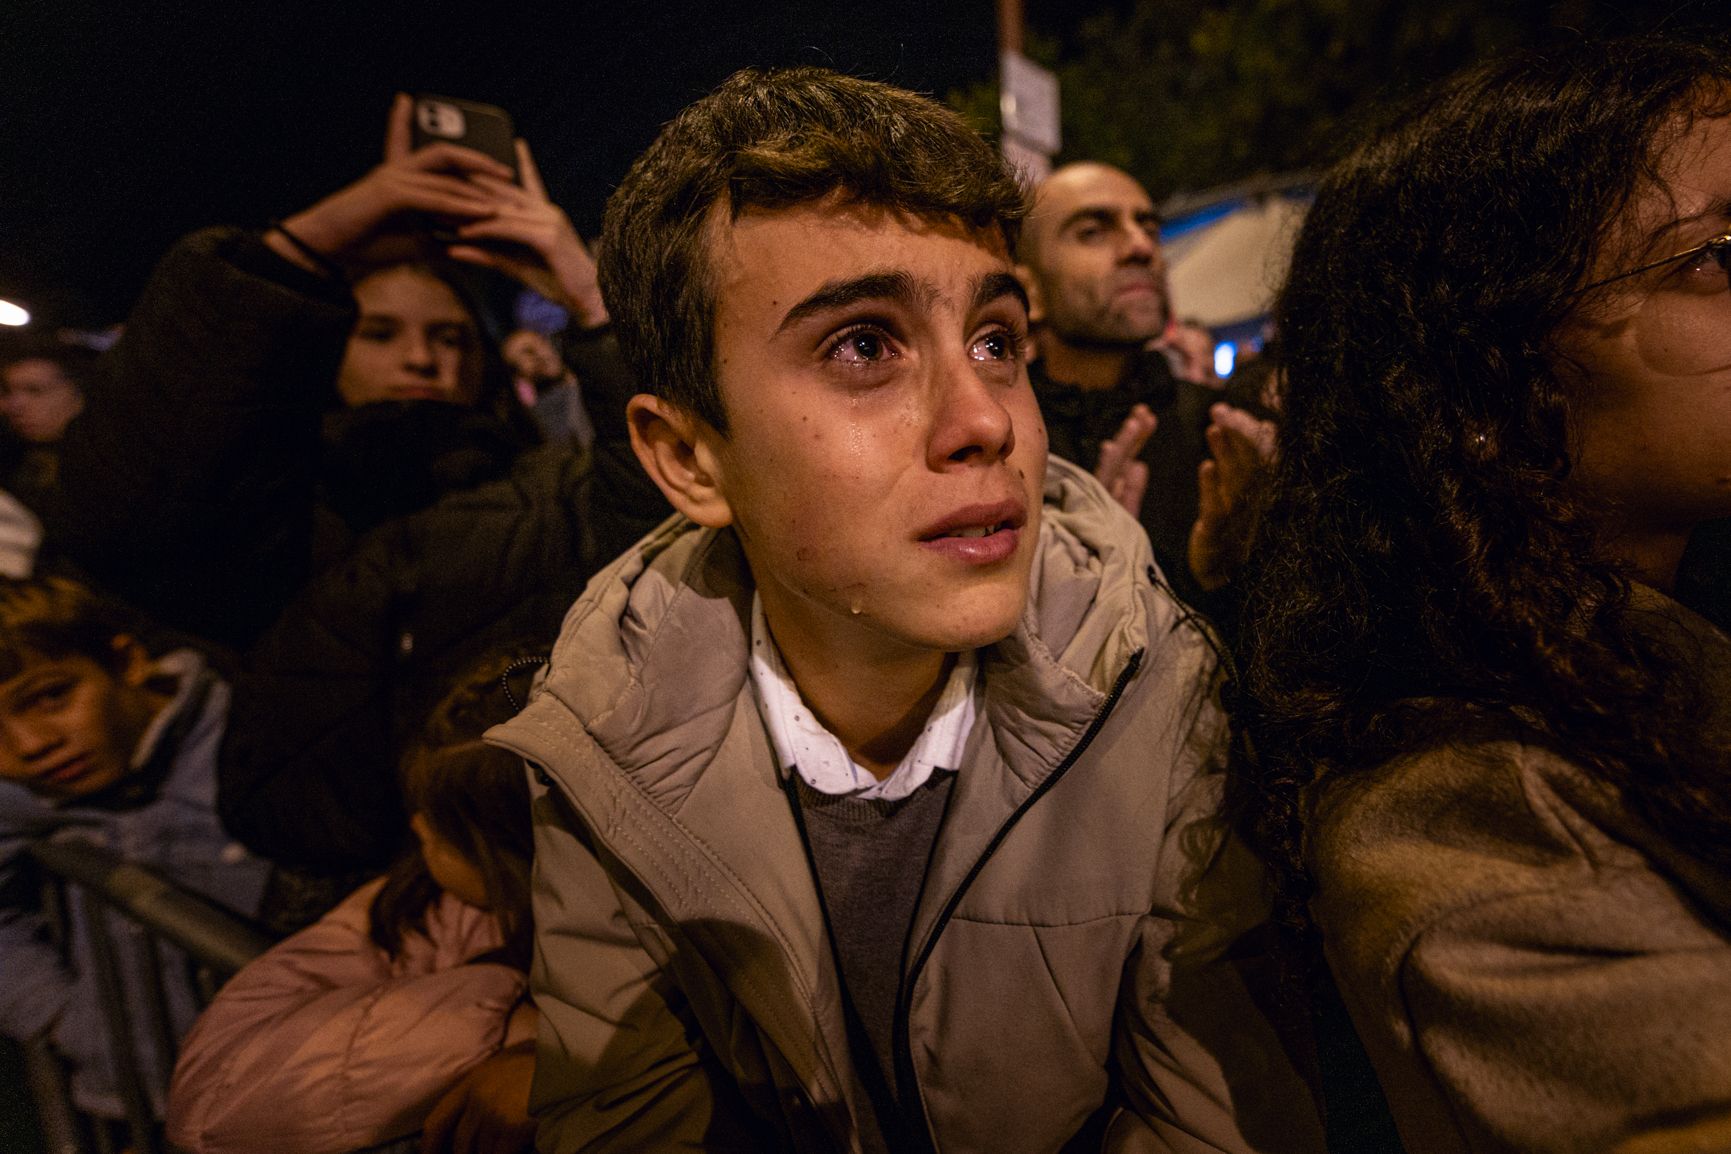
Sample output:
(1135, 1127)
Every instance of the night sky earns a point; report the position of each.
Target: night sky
(122, 127)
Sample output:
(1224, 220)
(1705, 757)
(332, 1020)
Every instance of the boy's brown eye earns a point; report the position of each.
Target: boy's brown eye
(999, 345)
(860, 346)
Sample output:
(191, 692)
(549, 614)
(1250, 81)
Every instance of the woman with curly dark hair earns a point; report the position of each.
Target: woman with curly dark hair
(1483, 745)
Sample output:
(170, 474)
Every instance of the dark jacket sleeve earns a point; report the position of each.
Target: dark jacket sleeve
(187, 484)
(335, 690)
(307, 775)
(627, 503)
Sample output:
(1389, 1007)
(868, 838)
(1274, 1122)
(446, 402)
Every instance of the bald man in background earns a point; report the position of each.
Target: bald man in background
(1166, 448)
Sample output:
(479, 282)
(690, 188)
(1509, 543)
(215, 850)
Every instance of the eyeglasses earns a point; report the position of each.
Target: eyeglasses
(1719, 248)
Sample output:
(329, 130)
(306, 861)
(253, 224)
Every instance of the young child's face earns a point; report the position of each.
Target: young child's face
(454, 872)
(885, 455)
(69, 725)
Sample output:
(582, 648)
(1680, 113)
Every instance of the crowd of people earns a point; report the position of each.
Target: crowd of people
(864, 684)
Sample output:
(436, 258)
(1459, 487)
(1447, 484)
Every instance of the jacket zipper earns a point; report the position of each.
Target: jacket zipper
(912, 1105)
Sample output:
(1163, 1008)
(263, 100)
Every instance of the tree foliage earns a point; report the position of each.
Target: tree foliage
(1188, 94)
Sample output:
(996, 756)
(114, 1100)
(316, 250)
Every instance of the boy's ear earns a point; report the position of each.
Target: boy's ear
(1036, 298)
(131, 660)
(678, 451)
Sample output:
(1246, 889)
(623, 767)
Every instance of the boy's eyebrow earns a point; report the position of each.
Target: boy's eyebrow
(900, 288)
(998, 284)
(897, 287)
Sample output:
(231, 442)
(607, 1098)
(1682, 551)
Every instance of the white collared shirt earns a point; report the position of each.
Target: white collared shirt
(803, 744)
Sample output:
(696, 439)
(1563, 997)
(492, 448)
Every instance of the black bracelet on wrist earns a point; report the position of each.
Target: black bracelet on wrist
(582, 332)
(326, 265)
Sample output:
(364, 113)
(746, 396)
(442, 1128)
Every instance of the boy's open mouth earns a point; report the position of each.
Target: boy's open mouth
(977, 521)
(977, 534)
(982, 530)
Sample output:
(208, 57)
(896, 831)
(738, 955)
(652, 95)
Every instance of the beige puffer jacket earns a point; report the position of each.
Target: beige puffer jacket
(1065, 960)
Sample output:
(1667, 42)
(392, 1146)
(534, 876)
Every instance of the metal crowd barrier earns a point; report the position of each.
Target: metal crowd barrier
(96, 883)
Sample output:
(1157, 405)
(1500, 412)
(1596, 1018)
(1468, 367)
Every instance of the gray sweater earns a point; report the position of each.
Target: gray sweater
(871, 858)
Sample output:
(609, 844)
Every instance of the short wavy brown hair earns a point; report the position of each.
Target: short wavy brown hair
(773, 139)
(53, 617)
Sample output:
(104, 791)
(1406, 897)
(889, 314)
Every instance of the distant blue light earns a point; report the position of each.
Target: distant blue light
(1171, 230)
(1225, 356)
(534, 311)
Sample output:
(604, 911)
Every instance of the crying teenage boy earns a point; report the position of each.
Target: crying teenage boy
(877, 792)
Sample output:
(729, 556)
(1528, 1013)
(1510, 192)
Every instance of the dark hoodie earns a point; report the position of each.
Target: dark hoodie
(355, 557)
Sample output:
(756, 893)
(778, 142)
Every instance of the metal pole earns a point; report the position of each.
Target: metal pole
(139, 1119)
(162, 1034)
(210, 934)
(53, 1098)
(1010, 34)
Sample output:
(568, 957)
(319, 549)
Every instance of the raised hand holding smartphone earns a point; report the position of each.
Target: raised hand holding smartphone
(485, 128)
(378, 220)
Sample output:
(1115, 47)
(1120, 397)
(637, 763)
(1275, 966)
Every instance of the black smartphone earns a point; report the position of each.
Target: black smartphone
(483, 127)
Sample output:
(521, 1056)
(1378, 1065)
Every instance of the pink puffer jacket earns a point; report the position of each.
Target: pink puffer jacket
(325, 1044)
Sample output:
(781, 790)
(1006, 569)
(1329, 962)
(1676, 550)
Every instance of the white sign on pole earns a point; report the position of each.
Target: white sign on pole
(1028, 102)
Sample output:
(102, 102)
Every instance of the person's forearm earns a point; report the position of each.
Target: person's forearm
(187, 483)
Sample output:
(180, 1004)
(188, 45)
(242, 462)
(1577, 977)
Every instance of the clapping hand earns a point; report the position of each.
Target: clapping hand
(1241, 450)
(1120, 469)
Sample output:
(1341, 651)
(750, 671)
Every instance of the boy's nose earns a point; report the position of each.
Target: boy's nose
(972, 420)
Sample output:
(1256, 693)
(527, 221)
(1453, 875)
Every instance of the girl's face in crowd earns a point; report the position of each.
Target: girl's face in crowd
(1654, 418)
(454, 872)
(39, 400)
(414, 341)
(69, 725)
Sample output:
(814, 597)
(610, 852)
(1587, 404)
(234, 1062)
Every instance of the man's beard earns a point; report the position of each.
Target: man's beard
(1104, 332)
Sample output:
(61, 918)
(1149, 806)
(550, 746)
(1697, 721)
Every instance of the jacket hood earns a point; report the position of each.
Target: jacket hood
(652, 660)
